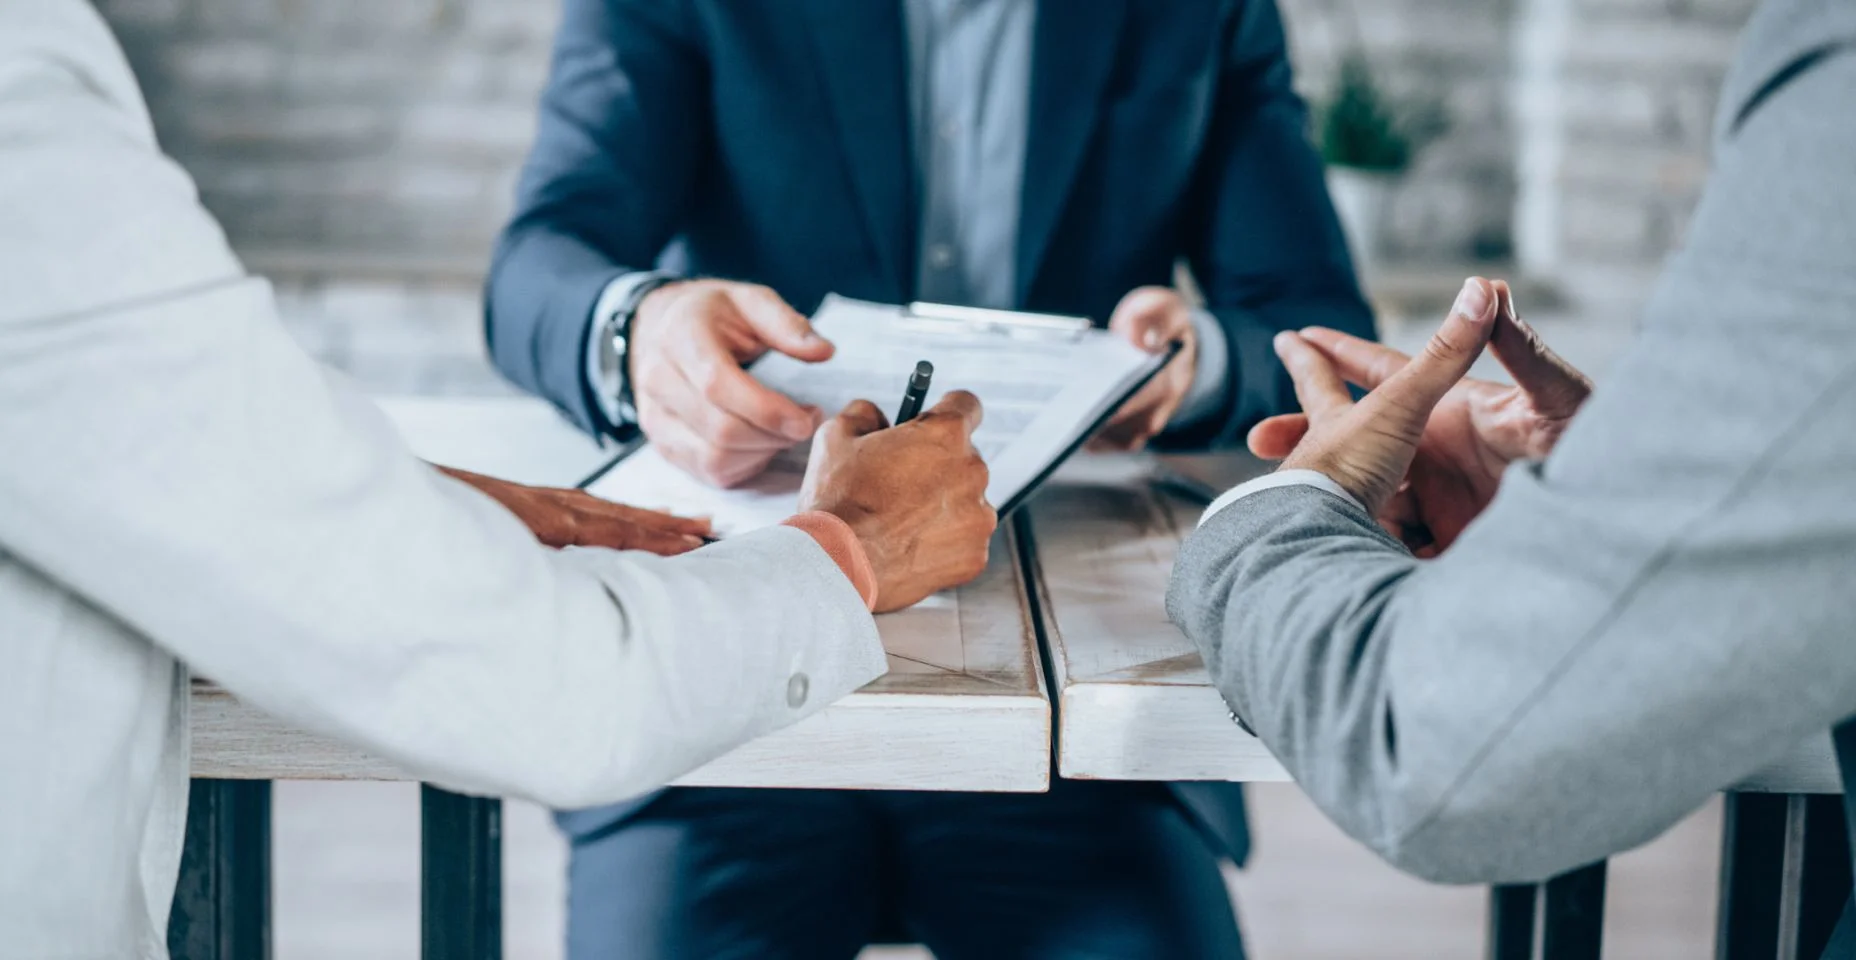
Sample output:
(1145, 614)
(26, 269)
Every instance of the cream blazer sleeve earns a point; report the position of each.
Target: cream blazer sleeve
(169, 454)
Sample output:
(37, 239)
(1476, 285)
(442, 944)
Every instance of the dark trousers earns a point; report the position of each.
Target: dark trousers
(1089, 870)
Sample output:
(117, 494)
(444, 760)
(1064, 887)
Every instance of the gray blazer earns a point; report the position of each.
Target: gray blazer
(1663, 607)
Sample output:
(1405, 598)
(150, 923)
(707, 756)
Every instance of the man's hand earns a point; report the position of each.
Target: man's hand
(1151, 318)
(704, 413)
(575, 518)
(915, 495)
(1475, 432)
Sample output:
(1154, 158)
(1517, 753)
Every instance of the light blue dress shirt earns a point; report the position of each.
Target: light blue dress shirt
(970, 106)
(970, 100)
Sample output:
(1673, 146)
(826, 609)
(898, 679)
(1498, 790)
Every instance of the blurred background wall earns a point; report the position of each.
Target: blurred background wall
(379, 138)
(362, 152)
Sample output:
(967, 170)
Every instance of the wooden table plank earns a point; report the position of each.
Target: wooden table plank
(1134, 701)
(967, 716)
(962, 708)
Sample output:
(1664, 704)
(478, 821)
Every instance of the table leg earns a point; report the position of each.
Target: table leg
(222, 900)
(1512, 908)
(1817, 875)
(1752, 872)
(1573, 918)
(461, 863)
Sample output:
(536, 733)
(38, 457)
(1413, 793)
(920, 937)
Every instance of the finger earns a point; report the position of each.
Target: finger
(720, 382)
(656, 520)
(1406, 400)
(1140, 407)
(779, 325)
(860, 418)
(614, 533)
(960, 407)
(1556, 388)
(1362, 362)
(1150, 318)
(680, 445)
(1119, 438)
(1274, 437)
(1317, 387)
(716, 427)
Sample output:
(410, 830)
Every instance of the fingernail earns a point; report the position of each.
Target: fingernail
(1151, 340)
(1473, 302)
(1283, 341)
(799, 429)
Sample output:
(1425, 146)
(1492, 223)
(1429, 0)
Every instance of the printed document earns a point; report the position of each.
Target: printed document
(1043, 388)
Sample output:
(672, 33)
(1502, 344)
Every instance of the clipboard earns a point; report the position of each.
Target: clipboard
(968, 321)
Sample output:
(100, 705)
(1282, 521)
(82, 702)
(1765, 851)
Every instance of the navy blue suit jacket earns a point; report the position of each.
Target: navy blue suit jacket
(770, 141)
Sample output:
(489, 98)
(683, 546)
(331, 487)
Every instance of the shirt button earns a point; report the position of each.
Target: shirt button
(940, 256)
(796, 690)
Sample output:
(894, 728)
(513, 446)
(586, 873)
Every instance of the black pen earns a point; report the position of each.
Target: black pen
(917, 393)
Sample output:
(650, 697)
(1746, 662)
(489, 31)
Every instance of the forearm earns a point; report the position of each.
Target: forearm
(1562, 685)
(539, 314)
(602, 191)
(1265, 246)
(174, 459)
(1283, 593)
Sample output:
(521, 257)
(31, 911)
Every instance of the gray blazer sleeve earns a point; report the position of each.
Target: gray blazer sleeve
(1663, 607)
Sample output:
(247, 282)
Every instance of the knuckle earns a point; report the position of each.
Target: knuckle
(714, 464)
(709, 382)
(730, 433)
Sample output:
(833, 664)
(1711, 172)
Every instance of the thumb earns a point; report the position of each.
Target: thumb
(859, 419)
(1274, 437)
(778, 325)
(1406, 399)
(1148, 318)
(960, 410)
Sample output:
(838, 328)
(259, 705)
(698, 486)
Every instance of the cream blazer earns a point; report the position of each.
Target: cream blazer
(181, 488)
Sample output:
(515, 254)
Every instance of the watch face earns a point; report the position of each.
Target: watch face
(609, 347)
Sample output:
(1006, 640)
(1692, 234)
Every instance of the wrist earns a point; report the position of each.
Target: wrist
(609, 351)
(844, 547)
(641, 322)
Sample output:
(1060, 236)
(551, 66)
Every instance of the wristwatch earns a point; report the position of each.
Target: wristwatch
(614, 343)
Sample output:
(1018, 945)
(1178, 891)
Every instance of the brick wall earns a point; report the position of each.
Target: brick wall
(1620, 135)
(1457, 202)
(363, 144)
(354, 129)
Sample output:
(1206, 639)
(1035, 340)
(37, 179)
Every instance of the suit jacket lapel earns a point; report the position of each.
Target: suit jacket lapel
(864, 59)
(1073, 52)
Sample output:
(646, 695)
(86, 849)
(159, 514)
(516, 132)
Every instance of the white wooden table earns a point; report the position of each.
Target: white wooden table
(962, 708)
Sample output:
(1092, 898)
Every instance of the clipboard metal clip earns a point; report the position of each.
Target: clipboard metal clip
(955, 319)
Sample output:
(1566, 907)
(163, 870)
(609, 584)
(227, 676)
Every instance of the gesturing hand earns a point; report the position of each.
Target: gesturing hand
(1151, 318)
(1476, 430)
(703, 412)
(575, 518)
(915, 495)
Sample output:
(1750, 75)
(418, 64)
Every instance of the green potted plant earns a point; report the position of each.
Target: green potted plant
(1368, 141)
